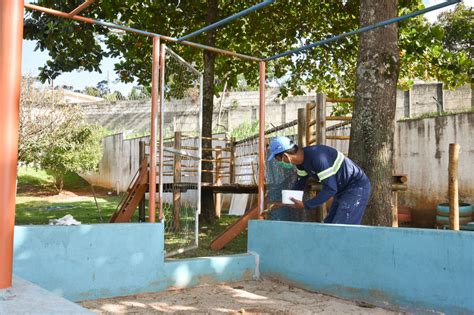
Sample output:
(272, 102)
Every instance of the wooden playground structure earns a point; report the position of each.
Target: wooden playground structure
(314, 126)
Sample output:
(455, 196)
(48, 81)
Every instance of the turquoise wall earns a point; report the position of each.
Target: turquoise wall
(412, 268)
(105, 260)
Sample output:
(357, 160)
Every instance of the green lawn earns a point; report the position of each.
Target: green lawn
(38, 202)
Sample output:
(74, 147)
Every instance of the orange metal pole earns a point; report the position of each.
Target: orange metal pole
(154, 110)
(162, 153)
(81, 8)
(261, 141)
(11, 39)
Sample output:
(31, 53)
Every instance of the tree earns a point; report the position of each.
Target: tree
(373, 121)
(53, 135)
(42, 116)
(458, 26)
(78, 150)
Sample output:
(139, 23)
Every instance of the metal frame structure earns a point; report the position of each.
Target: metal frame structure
(166, 50)
(11, 34)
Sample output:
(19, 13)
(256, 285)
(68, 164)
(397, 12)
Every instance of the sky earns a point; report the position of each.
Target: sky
(79, 80)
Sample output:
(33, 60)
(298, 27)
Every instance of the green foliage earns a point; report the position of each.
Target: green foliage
(426, 55)
(244, 130)
(54, 136)
(458, 26)
(427, 51)
(79, 149)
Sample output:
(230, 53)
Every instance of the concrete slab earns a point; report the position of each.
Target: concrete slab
(25, 297)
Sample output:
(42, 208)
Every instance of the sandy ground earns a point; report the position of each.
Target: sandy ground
(246, 297)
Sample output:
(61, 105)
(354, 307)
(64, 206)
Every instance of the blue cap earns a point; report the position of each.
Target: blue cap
(279, 145)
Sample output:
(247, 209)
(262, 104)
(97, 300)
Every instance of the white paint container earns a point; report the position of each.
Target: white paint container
(287, 194)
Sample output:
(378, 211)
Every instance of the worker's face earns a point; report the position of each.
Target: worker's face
(284, 160)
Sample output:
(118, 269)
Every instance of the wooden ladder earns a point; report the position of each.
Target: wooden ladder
(135, 192)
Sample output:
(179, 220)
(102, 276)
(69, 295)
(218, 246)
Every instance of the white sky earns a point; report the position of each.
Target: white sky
(34, 59)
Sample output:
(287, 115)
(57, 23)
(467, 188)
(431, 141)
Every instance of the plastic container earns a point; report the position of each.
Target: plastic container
(465, 209)
(287, 194)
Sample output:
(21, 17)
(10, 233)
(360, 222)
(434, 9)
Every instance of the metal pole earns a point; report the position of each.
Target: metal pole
(81, 8)
(261, 141)
(161, 120)
(11, 37)
(154, 109)
(228, 19)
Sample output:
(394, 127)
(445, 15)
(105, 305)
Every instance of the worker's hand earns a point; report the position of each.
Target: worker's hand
(298, 203)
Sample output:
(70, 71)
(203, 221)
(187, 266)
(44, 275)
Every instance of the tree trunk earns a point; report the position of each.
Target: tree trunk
(207, 198)
(373, 120)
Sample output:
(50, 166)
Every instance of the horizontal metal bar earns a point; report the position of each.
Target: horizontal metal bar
(137, 31)
(228, 19)
(365, 29)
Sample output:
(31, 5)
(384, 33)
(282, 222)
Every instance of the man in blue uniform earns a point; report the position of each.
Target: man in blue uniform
(341, 178)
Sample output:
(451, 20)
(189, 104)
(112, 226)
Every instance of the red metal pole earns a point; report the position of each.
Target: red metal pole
(261, 141)
(154, 110)
(11, 39)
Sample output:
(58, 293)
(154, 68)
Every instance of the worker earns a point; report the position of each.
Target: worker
(340, 177)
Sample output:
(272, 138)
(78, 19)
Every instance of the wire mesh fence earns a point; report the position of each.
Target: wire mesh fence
(182, 152)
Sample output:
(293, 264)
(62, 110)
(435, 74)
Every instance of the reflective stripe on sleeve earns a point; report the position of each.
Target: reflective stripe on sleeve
(333, 169)
(301, 173)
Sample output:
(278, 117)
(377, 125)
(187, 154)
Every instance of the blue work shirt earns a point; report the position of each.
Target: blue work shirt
(332, 169)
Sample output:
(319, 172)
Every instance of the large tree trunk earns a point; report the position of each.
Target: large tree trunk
(373, 120)
(207, 199)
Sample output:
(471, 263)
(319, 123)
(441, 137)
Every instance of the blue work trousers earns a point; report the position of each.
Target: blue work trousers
(349, 205)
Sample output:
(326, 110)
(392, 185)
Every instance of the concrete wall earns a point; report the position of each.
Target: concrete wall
(106, 260)
(422, 152)
(234, 108)
(416, 269)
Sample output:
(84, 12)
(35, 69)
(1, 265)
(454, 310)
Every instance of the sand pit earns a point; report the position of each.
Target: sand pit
(245, 297)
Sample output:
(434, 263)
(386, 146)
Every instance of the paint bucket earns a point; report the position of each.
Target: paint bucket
(287, 194)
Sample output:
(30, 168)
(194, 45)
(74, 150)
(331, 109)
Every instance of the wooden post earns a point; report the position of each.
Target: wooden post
(218, 196)
(301, 127)
(232, 161)
(453, 186)
(309, 127)
(321, 118)
(177, 181)
(321, 136)
(394, 209)
(141, 205)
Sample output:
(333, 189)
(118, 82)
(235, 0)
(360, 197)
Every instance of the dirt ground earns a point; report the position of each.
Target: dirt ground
(245, 297)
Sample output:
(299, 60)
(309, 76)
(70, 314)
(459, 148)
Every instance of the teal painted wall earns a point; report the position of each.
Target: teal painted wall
(413, 268)
(96, 261)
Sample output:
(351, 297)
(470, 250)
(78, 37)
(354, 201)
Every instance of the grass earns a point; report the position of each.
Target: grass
(208, 233)
(37, 202)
